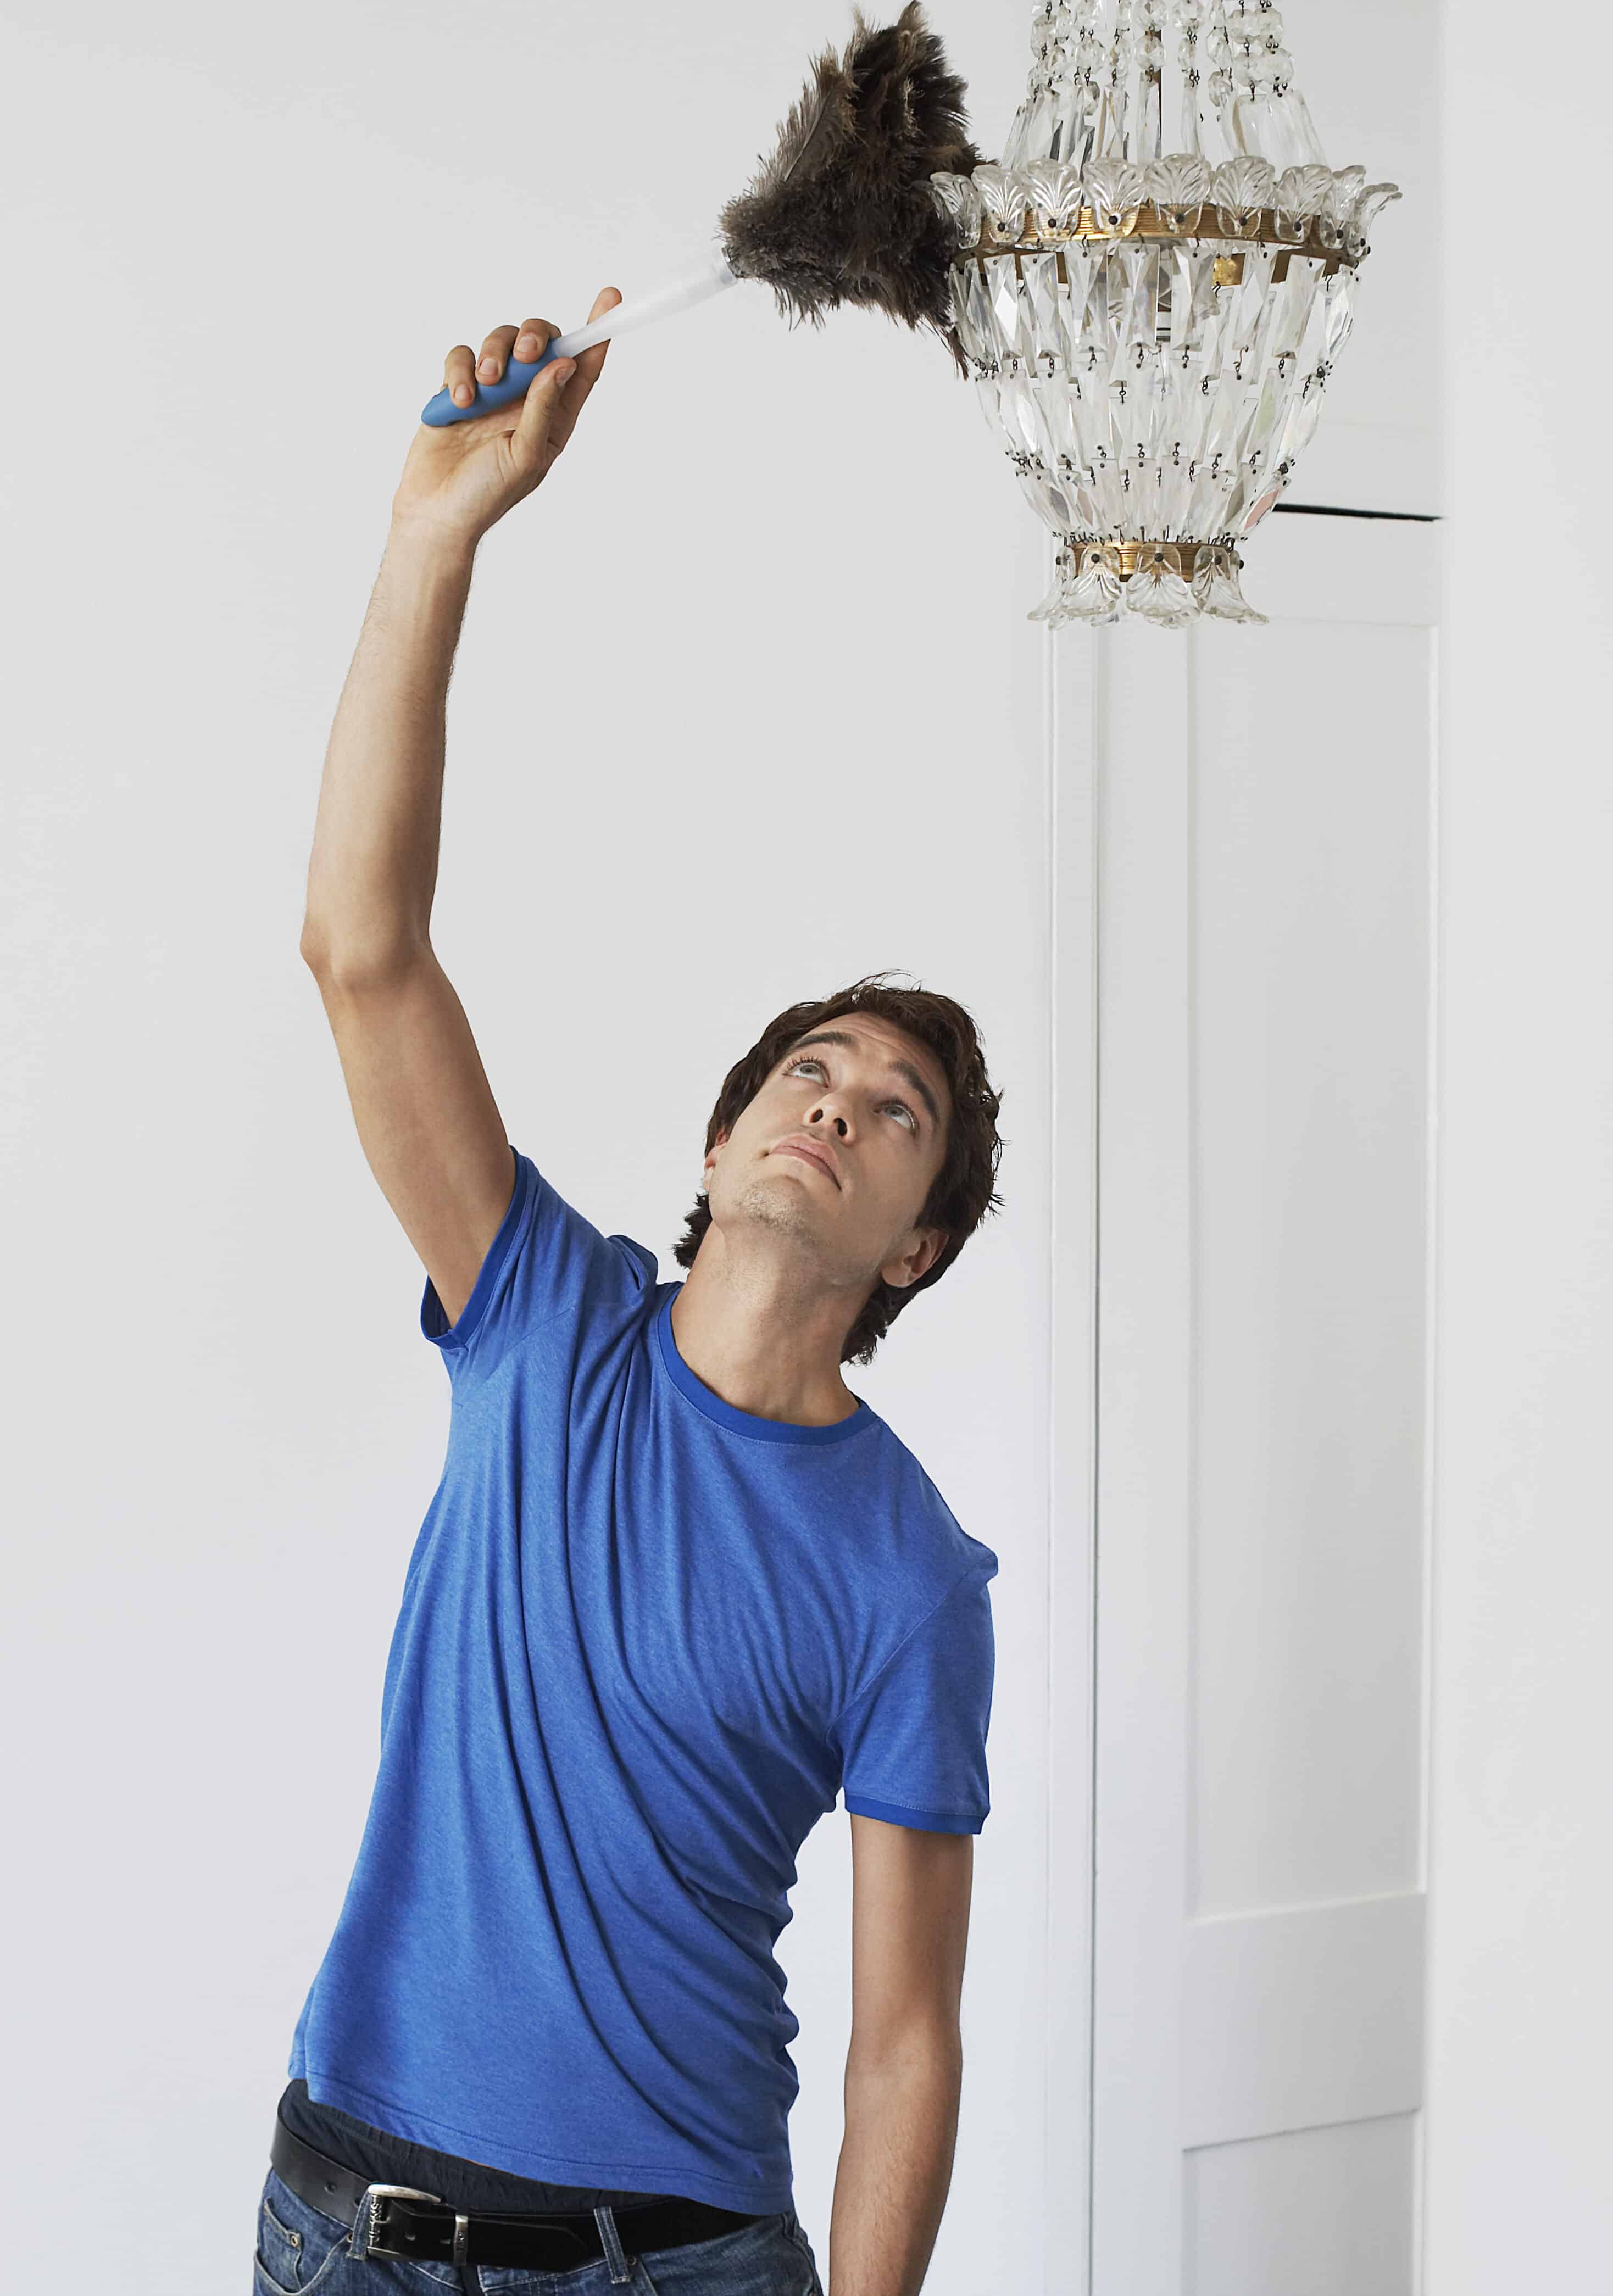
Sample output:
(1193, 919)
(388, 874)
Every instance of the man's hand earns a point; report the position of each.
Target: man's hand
(460, 479)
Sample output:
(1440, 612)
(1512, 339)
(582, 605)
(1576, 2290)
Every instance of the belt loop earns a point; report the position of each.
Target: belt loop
(621, 2271)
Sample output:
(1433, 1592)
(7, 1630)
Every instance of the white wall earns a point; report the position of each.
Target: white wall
(1370, 70)
(1520, 2132)
(734, 720)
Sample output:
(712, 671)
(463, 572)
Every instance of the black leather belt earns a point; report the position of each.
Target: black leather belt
(417, 2224)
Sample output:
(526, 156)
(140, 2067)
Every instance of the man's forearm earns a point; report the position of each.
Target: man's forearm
(895, 2169)
(373, 872)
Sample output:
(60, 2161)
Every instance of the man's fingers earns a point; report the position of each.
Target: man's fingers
(495, 352)
(535, 334)
(463, 369)
(458, 374)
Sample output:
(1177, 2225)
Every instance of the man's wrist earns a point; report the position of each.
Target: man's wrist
(429, 545)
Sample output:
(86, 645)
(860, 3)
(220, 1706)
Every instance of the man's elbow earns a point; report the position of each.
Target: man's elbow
(927, 2045)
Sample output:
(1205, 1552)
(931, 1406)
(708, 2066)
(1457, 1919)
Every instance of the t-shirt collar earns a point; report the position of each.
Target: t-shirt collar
(727, 1415)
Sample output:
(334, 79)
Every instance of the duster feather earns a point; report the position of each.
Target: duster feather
(842, 211)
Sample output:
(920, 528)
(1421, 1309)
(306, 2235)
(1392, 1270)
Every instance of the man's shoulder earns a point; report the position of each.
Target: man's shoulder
(642, 1263)
(956, 1553)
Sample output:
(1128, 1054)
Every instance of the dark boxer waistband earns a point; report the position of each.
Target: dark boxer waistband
(400, 2221)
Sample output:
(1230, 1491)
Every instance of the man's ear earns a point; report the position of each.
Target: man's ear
(720, 1141)
(927, 1246)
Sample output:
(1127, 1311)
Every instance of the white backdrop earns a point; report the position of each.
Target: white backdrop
(732, 723)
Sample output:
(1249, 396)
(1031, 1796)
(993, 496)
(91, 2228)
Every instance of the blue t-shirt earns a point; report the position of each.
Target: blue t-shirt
(645, 1639)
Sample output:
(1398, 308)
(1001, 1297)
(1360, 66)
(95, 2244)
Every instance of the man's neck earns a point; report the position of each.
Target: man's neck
(760, 1339)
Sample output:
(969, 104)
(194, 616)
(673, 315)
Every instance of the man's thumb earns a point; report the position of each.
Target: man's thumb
(538, 411)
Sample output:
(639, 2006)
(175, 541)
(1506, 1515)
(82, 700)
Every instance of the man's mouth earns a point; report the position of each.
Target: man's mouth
(809, 1153)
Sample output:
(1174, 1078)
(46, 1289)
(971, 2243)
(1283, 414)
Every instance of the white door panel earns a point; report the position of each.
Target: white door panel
(1303, 2019)
(1321, 2212)
(1263, 856)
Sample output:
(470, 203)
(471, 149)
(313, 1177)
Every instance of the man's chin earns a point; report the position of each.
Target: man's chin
(780, 1200)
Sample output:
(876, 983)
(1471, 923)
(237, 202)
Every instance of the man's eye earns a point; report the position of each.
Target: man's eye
(807, 1061)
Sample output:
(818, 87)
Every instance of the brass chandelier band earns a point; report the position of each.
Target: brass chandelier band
(1147, 222)
(1126, 558)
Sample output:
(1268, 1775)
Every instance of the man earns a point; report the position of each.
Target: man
(679, 1587)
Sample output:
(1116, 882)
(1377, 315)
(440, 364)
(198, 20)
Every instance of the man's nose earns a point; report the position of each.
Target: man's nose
(835, 1119)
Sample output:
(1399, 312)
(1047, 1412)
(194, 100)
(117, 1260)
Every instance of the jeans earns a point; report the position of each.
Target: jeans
(300, 2249)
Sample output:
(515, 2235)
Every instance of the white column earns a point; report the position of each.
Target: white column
(1519, 2189)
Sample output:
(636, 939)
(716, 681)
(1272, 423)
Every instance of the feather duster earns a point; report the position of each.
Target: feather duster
(842, 211)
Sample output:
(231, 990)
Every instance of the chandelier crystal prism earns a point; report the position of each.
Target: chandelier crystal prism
(1150, 329)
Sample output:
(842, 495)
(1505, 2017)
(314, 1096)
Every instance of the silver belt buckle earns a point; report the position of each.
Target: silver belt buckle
(365, 2219)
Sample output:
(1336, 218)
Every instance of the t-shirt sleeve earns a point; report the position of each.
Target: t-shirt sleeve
(913, 1742)
(548, 1271)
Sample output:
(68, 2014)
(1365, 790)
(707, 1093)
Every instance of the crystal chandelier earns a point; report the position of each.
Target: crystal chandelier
(1151, 329)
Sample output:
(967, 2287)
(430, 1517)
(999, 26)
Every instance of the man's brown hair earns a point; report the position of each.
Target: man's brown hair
(963, 1190)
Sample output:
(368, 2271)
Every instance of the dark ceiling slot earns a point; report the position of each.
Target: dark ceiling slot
(1337, 510)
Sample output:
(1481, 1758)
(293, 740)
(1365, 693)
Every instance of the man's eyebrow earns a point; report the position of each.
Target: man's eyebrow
(905, 1068)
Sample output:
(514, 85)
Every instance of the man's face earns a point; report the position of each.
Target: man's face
(835, 1155)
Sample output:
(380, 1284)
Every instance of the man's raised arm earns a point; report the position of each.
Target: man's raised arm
(427, 1120)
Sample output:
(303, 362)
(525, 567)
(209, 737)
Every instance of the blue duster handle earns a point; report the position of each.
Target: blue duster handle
(512, 383)
(516, 378)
